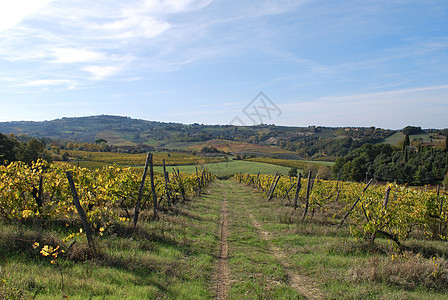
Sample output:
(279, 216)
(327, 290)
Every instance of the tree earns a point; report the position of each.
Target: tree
(410, 130)
(292, 172)
(7, 149)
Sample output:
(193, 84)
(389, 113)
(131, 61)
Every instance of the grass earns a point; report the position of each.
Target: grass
(300, 164)
(399, 137)
(222, 169)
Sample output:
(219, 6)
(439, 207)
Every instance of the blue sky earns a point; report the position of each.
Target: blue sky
(331, 63)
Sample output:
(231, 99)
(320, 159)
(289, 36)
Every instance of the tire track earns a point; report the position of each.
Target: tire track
(222, 285)
(301, 283)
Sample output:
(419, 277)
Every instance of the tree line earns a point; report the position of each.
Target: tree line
(406, 164)
(28, 150)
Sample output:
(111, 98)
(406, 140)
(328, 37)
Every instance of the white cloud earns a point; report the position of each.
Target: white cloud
(68, 84)
(101, 72)
(12, 13)
(385, 93)
(136, 26)
(70, 55)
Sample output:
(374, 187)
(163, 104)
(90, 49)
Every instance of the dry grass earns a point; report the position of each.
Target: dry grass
(408, 271)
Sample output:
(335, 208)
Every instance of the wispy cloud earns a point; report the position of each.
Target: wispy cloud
(70, 55)
(12, 13)
(101, 72)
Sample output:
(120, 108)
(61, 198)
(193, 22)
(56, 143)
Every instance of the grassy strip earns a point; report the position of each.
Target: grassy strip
(255, 273)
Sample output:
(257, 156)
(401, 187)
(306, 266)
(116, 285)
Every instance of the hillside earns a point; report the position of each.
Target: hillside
(312, 142)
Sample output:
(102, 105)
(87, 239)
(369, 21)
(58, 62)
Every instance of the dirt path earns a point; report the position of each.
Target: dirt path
(301, 283)
(249, 277)
(223, 268)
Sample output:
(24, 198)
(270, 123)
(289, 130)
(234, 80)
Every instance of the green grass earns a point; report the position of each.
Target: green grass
(231, 167)
(399, 137)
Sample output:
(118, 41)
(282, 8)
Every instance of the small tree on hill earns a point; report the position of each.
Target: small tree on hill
(292, 172)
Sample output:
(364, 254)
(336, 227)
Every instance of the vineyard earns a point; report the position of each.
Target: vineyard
(171, 159)
(396, 212)
(115, 233)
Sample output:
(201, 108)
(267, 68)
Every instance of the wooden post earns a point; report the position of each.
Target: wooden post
(199, 182)
(153, 188)
(271, 185)
(40, 193)
(273, 188)
(308, 192)
(140, 190)
(354, 204)
(81, 213)
(181, 186)
(440, 209)
(167, 189)
(299, 186)
(386, 197)
(289, 190)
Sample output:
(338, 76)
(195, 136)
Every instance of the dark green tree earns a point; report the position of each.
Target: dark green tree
(292, 172)
(8, 147)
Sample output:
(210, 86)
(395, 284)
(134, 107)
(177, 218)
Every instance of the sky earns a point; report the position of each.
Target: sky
(381, 63)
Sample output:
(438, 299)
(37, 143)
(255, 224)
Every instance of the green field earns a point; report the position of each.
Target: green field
(232, 166)
(399, 137)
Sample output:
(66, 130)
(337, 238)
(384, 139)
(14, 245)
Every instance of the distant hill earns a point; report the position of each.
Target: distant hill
(312, 142)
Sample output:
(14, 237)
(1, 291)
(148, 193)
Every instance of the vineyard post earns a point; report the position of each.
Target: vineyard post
(167, 189)
(299, 186)
(40, 193)
(153, 188)
(273, 188)
(81, 212)
(271, 185)
(140, 190)
(308, 192)
(385, 202)
(287, 192)
(181, 186)
(257, 180)
(354, 204)
(199, 182)
(440, 209)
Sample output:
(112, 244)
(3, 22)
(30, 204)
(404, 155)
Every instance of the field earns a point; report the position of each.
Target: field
(186, 163)
(299, 164)
(240, 148)
(399, 137)
(233, 166)
(126, 159)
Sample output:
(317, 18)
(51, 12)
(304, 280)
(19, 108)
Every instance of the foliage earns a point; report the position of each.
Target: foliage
(394, 216)
(13, 150)
(410, 130)
(386, 163)
(104, 193)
